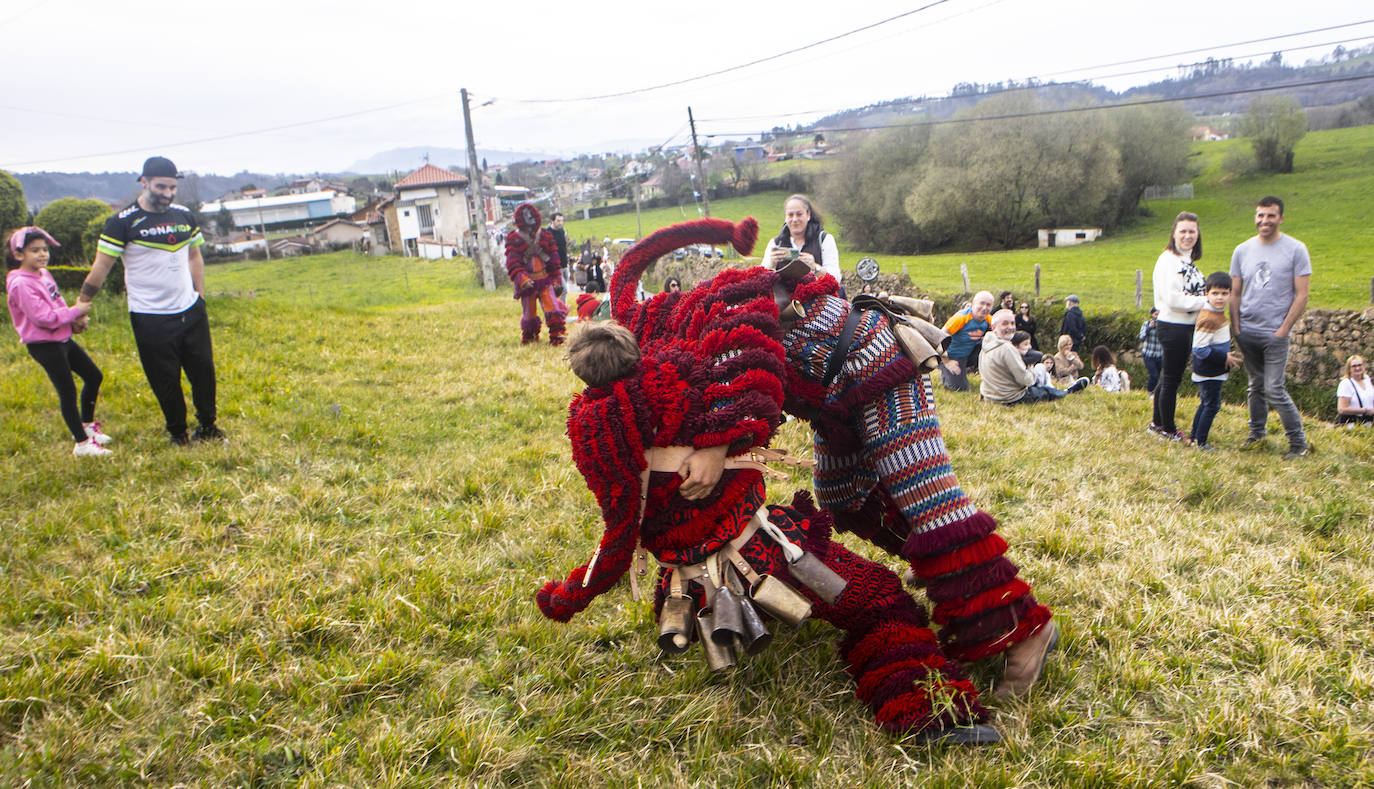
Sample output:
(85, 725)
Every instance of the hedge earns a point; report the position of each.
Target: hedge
(71, 277)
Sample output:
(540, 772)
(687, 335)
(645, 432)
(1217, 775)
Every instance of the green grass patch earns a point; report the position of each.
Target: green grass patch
(343, 594)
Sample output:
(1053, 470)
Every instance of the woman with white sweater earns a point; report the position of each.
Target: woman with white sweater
(1178, 289)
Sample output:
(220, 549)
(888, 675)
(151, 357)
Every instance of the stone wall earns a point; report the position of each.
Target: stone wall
(1323, 339)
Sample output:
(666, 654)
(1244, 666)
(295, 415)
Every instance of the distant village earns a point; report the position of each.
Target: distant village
(427, 212)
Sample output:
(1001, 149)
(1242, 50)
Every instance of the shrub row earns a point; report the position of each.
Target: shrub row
(71, 277)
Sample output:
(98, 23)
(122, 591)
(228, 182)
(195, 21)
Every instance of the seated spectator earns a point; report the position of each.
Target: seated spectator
(1035, 360)
(1006, 377)
(966, 329)
(1066, 362)
(1107, 376)
(1355, 394)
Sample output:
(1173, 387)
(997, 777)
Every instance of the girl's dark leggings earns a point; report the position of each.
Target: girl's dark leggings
(60, 360)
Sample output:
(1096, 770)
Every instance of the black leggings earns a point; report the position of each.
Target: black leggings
(1177, 341)
(60, 360)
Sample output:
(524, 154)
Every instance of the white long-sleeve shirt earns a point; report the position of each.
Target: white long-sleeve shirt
(830, 255)
(1177, 288)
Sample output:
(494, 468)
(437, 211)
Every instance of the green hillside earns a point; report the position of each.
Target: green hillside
(1328, 202)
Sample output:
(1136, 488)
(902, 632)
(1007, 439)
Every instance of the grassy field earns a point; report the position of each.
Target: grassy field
(343, 595)
(1327, 202)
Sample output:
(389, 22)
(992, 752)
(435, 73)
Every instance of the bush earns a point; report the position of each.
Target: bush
(71, 277)
(1238, 162)
(67, 219)
(14, 212)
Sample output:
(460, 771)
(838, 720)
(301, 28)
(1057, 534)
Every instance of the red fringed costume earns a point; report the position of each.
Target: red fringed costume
(712, 373)
(536, 271)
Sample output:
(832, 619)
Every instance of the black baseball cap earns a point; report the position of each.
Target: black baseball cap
(160, 167)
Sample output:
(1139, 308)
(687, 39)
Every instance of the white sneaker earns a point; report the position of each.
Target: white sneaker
(96, 434)
(89, 448)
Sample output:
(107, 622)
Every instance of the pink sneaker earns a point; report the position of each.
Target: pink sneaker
(94, 433)
(90, 449)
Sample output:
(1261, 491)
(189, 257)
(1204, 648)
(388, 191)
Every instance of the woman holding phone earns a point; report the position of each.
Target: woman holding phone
(803, 236)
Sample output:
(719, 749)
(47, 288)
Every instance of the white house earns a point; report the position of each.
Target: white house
(1068, 236)
(283, 209)
(240, 241)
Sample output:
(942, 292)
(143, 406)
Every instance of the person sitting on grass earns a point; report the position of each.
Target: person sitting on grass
(1034, 359)
(1106, 375)
(1067, 362)
(1355, 394)
(1006, 379)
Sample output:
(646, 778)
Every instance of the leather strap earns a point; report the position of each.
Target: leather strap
(837, 356)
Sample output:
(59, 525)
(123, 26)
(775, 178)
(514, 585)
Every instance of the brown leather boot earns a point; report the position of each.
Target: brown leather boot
(1025, 661)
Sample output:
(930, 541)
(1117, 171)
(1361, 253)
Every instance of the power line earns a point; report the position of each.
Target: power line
(357, 113)
(1085, 81)
(230, 135)
(755, 62)
(1063, 110)
(1206, 49)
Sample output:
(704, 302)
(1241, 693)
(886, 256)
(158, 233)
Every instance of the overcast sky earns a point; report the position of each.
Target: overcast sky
(98, 85)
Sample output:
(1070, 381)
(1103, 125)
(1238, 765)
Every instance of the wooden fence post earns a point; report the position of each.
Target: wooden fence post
(1037, 280)
(1139, 286)
(963, 271)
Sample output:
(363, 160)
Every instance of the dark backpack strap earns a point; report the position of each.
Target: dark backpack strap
(837, 356)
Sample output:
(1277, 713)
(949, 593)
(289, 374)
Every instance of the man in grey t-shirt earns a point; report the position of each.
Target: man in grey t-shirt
(1270, 277)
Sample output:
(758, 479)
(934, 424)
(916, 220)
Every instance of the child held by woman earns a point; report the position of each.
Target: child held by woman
(45, 325)
(1212, 356)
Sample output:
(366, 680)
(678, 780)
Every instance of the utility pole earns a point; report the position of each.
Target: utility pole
(266, 247)
(639, 223)
(478, 213)
(701, 176)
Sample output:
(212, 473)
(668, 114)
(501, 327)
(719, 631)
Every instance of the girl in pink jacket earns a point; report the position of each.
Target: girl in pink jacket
(45, 324)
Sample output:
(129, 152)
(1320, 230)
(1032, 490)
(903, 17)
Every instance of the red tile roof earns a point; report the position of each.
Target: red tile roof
(430, 175)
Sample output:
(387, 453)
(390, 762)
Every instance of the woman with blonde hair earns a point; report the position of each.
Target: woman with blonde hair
(1355, 394)
(1066, 362)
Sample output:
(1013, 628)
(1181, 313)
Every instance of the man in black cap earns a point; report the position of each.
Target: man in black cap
(164, 276)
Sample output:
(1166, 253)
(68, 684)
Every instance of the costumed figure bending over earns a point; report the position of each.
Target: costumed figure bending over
(536, 272)
(677, 406)
(883, 472)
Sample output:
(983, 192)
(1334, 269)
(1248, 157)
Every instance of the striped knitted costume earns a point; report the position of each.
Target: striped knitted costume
(711, 373)
(882, 468)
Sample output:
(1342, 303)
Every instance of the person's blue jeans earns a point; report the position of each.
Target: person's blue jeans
(1266, 362)
(1209, 393)
(1039, 394)
(1152, 366)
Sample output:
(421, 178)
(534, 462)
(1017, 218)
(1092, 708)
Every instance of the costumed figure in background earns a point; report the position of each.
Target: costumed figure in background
(536, 272)
(680, 403)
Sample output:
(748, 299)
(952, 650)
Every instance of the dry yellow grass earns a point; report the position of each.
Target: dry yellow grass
(343, 595)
